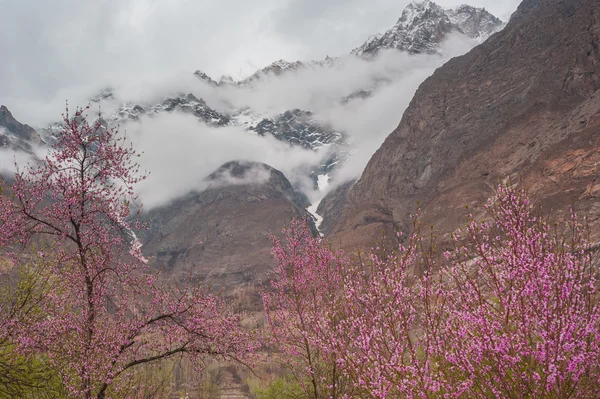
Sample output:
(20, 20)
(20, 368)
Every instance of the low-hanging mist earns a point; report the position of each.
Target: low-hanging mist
(179, 151)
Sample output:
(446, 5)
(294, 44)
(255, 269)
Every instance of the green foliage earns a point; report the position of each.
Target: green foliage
(24, 376)
(281, 388)
(27, 378)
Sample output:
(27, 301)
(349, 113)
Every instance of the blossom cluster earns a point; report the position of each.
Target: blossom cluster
(511, 312)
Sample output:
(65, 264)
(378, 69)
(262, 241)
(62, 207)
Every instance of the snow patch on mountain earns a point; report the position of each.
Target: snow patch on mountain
(322, 184)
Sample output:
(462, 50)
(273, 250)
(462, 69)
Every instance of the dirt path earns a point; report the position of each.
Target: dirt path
(231, 384)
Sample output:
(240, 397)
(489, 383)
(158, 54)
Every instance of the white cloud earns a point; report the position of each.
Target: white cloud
(180, 152)
(10, 158)
(366, 121)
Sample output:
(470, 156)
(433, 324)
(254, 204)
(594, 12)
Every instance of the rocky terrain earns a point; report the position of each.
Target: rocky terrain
(524, 105)
(221, 234)
(332, 205)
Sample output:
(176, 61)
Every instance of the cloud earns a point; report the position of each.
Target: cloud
(180, 152)
(393, 78)
(52, 51)
(69, 49)
(369, 121)
(10, 158)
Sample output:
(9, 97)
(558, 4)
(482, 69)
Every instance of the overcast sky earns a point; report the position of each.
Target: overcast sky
(49, 47)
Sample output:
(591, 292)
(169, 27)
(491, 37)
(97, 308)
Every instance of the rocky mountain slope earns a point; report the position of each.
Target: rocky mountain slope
(524, 105)
(15, 135)
(221, 234)
(331, 206)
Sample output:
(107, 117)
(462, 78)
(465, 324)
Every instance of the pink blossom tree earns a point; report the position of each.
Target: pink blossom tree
(304, 306)
(393, 305)
(512, 313)
(524, 315)
(107, 313)
(354, 328)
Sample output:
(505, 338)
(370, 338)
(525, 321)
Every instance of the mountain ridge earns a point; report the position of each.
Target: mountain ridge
(16, 135)
(419, 26)
(500, 111)
(221, 234)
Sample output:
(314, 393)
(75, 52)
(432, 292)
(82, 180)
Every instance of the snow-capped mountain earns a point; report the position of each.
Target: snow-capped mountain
(204, 77)
(274, 69)
(296, 127)
(299, 128)
(280, 67)
(424, 25)
(477, 23)
(190, 104)
(421, 29)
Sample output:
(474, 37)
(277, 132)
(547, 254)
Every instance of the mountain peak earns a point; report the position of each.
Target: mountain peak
(104, 94)
(205, 78)
(424, 25)
(16, 134)
(417, 7)
(421, 3)
(275, 68)
(226, 79)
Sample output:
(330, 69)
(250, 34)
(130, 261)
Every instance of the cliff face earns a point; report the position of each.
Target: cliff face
(331, 206)
(524, 104)
(14, 134)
